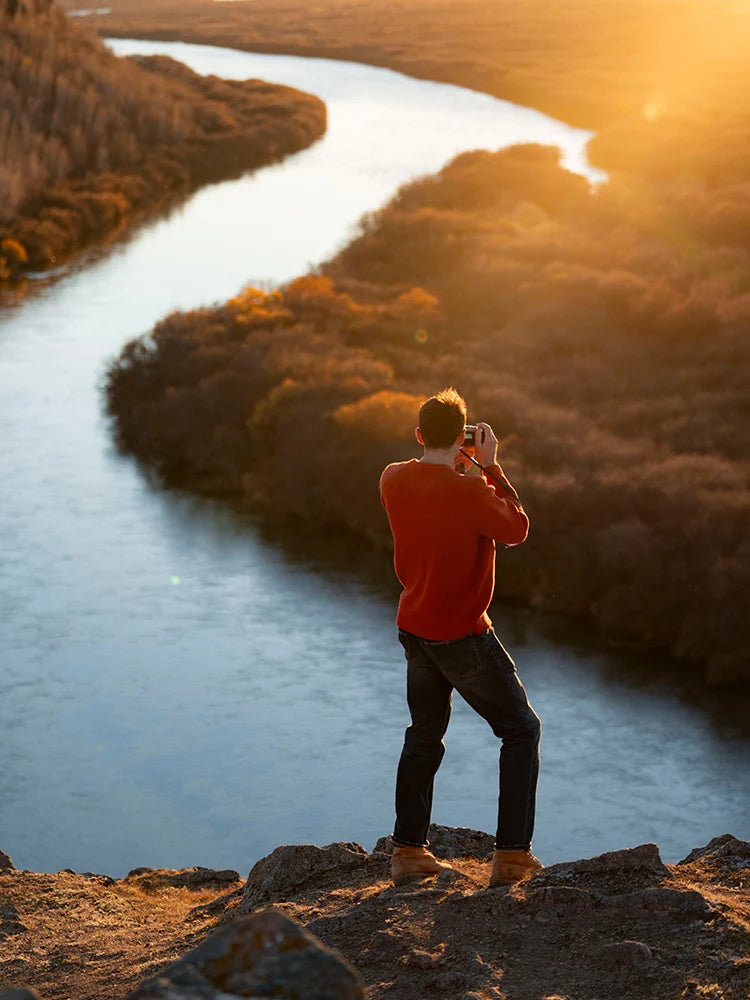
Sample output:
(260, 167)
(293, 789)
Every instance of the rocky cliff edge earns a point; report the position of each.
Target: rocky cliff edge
(324, 923)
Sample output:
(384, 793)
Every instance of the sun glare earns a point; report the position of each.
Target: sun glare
(655, 108)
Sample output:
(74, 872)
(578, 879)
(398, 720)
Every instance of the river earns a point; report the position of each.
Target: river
(181, 687)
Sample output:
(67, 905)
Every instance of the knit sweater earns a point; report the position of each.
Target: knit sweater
(444, 529)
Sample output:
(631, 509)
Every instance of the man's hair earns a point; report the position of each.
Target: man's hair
(442, 418)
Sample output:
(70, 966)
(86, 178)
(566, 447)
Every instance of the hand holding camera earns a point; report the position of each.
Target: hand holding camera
(486, 445)
(480, 441)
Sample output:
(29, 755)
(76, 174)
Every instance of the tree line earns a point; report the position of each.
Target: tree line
(90, 141)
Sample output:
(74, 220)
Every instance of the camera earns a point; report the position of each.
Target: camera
(470, 436)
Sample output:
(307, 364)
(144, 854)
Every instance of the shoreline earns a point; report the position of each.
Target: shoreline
(53, 229)
(362, 58)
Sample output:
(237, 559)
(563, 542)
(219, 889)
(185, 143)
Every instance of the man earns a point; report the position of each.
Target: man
(444, 528)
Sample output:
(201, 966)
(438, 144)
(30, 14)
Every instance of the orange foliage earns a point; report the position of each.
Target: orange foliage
(85, 147)
(384, 415)
(600, 332)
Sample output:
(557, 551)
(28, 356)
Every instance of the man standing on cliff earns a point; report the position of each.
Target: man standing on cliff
(444, 528)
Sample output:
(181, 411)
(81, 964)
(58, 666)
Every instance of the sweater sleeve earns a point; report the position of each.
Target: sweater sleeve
(501, 516)
(385, 476)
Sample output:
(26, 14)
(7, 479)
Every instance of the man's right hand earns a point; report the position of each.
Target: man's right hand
(486, 446)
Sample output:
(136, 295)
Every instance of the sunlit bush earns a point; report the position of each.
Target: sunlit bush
(385, 415)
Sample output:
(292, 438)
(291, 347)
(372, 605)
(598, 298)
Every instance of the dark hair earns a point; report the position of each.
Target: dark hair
(442, 418)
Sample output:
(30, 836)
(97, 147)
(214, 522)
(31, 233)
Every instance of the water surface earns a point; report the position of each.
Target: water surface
(181, 687)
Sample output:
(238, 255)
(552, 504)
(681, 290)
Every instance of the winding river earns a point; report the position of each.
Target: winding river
(180, 687)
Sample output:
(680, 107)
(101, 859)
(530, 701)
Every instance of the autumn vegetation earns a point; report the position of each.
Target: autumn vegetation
(604, 332)
(589, 62)
(610, 356)
(86, 147)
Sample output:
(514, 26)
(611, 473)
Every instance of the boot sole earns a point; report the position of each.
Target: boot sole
(511, 879)
(413, 876)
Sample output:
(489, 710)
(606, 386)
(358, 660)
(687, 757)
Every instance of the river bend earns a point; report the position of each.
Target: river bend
(180, 688)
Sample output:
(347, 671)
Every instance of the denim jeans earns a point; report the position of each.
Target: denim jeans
(479, 668)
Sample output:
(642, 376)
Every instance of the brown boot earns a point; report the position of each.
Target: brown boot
(413, 862)
(512, 866)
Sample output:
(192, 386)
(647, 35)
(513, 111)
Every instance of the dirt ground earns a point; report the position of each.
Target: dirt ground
(617, 927)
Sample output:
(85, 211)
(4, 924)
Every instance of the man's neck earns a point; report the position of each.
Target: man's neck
(438, 456)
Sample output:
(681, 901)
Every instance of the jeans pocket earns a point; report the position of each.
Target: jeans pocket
(459, 659)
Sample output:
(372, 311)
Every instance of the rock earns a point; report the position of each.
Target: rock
(184, 878)
(451, 842)
(286, 871)
(216, 907)
(104, 879)
(624, 959)
(18, 995)
(423, 960)
(625, 956)
(610, 873)
(9, 921)
(646, 857)
(671, 904)
(5, 861)
(724, 848)
(263, 955)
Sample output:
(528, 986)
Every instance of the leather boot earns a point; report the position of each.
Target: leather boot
(413, 862)
(512, 866)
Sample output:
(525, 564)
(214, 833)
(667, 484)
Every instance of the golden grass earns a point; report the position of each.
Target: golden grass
(586, 61)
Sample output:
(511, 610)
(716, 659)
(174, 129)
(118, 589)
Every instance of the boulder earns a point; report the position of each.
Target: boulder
(625, 956)
(185, 878)
(725, 848)
(451, 842)
(285, 872)
(613, 872)
(18, 995)
(263, 955)
(646, 857)
(5, 861)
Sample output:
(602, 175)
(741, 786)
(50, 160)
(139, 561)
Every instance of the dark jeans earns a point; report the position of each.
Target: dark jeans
(479, 668)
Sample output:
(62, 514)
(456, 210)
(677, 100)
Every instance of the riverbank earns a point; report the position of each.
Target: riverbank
(663, 85)
(586, 63)
(619, 925)
(80, 169)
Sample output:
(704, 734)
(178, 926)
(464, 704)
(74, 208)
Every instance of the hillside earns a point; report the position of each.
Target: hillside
(620, 925)
(86, 147)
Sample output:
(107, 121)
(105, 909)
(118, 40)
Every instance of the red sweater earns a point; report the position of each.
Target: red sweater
(444, 529)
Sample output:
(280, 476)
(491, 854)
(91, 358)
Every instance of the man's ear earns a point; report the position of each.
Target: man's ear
(419, 436)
